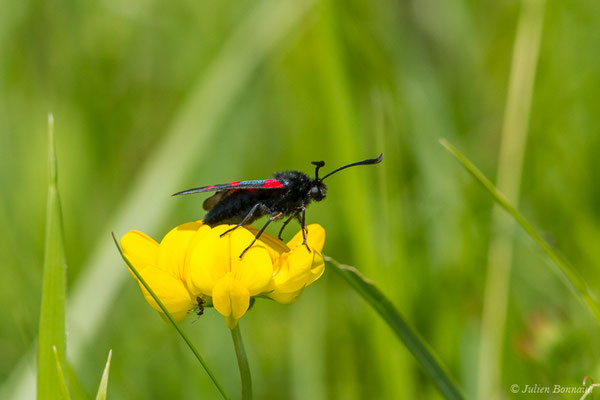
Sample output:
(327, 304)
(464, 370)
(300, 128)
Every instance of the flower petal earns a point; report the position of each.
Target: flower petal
(255, 270)
(315, 238)
(293, 270)
(174, 246)
(171, 292)
(142, 252)
(140, 249)
(231, 299)
(272, 243)
(317, 268)
(239, 240)
(298, 268)
(286, 298)
(208, 260)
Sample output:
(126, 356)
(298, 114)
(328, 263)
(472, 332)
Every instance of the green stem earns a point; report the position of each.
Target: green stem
(170, 318)
(242, 363)
(565, 270)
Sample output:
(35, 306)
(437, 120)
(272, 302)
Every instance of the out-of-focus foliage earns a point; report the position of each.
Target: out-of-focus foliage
(346, 81)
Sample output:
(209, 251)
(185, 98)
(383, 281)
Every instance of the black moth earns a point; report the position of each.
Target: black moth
(286, 195)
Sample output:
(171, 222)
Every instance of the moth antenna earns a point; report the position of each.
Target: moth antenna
(363, 162)
(319, 164)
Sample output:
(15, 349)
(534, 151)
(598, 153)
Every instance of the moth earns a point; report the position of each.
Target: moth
(286, 195)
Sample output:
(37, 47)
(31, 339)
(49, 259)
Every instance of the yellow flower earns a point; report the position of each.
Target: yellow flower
(215, 269)
(193, 260)
(162, 267)
(296, 268)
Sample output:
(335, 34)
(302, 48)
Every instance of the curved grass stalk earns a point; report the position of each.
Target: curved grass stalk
(565, 270)
(411, 339)
(249, 45)
(170, 318)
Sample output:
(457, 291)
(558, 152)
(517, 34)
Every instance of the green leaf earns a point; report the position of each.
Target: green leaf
(209, 102)
(170, 318)
(101, 395)
(64, 389)
(411, 339)
(76, 389)
(52, 314)
(565, 270)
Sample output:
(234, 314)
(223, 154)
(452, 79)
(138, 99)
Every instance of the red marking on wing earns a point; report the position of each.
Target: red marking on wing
(272, 183)
(209, 187)
(233, 184)
(253, 190)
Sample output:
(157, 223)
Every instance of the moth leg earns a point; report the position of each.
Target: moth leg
(273, 217)
(246, 218)
(304, 228)
(287, 221)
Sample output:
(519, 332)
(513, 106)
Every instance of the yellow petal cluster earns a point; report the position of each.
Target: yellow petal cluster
(193, 260)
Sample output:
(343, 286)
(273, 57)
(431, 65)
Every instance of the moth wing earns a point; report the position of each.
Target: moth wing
(210, 202)
(258, 184)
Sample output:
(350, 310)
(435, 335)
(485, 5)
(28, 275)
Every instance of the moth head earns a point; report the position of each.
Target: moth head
(318, 191)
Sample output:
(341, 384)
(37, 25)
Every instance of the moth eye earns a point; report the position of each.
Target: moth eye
(314, 191)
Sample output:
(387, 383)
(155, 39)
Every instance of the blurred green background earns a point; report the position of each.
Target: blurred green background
(151, 97)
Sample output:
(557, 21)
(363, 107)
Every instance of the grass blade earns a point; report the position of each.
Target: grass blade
(52, 337)
(249, 45)
(76, 389)
(101, 395)
(62, 381)
(411, 339)
(565, 270)
(508, 179)
(170, 318)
